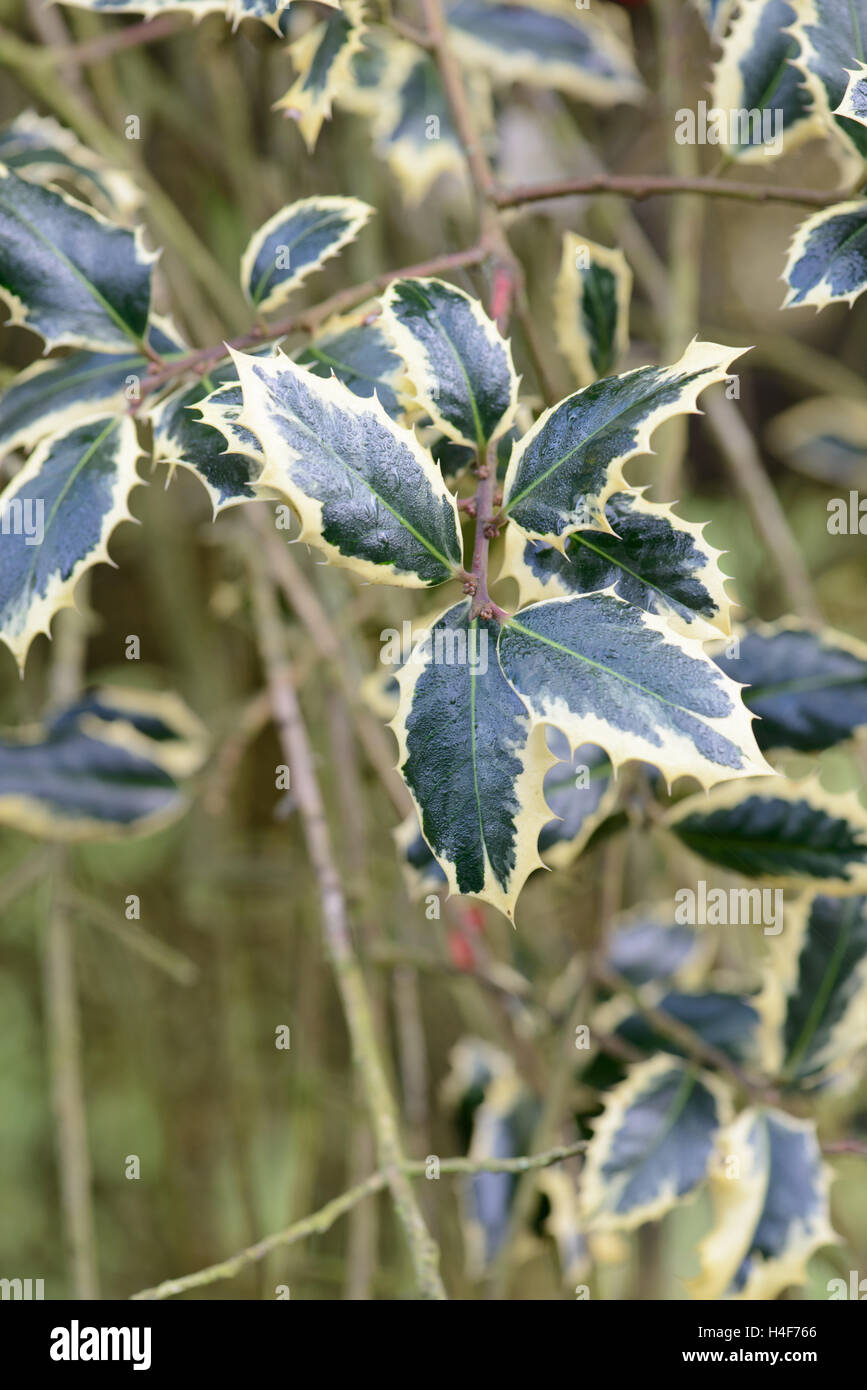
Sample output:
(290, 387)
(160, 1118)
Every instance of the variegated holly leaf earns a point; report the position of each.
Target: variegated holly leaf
(155, 723)
(57, 515)
(652, 1145)
(651, 557)
(779, 831)
(295, 242)
(494, 1115)
(471, 760)
(727, 1022)
(460, 365)
(43, 151)
(647, 947)
(274, 13)
(227, 471)
(579, 789)
(322, 59)
(567, 466)
(581, 792)
(379, 689)
(824, 438)
(813, 1004)
(591, 307)
(414, 131)
(503, 1126)
(473, 1065)
(830, 35)
(421, 870)
(853, 103)
(546, 45)
(221, 410)
(270, 12)
(606, 672)
(716, 14)
(105, 766)
(366, 491)
(808, 688)
(360, 355)
(769, 1189)
(764, 100)
(563, 1224)
(68, 273)
(827, 261)
(376, 72)
(54, 394)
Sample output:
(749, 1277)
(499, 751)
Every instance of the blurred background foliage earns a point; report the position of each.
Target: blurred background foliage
(237, 1138)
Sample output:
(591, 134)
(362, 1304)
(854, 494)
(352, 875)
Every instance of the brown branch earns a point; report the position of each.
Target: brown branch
(738, 448)
(846, 1146)
(63, 1017)
(482, 605)
(507, 284)
(324, 1219)
(298, 753)
(466, 128)
(639, 186)
(308, 320)
(304, 600)
(104, 45)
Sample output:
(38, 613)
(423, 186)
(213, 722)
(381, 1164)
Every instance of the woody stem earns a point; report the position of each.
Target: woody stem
(482, 605)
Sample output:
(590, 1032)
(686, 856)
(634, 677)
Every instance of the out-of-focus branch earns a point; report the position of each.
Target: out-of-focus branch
(324, 1219)
(302, 597)
(738, 448)
(308, 320)
(63, 1018)
(639, 186)
(115, 41)
(296, 748)
(685, 240)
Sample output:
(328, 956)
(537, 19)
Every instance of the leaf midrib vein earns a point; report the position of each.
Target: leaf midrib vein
(73, 269)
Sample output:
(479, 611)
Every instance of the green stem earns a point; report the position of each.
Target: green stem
(325, 1218)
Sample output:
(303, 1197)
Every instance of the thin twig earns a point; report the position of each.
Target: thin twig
(302, 597)
(846, 1146)
(157, 953)
(308, 320)
(73, 1159)
(295, 743)
(739, 450)
(105, 45)
(324, 1219)
(62, 1009)
(638, 186)
(316, 1224)
(685, 239)
(466, 129)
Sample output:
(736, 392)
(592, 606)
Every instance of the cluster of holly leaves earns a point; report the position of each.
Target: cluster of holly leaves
(620, 648)
(663, 1128)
